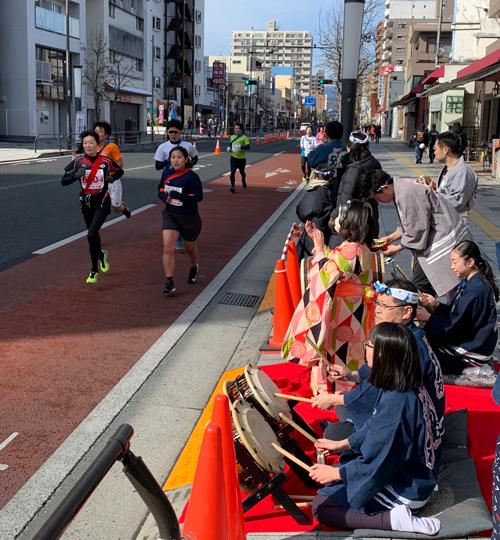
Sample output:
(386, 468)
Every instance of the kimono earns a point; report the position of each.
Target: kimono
(336, 312)
(431, 228)
(466, 329)
(393, 457)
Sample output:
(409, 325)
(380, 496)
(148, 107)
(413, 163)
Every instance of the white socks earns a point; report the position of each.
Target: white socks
(403, 520)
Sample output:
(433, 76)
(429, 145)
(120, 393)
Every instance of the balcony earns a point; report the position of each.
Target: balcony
(49, 20)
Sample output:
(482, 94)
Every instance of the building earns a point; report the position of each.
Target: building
(316, 87)
(199, 75)
(278, 48)
(33, 73)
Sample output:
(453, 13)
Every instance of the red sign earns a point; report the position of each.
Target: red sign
(384, 70)
(219, 73)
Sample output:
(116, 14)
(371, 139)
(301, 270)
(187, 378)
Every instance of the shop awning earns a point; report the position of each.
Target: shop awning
(433, 76)
(205, 109)
(484, 67)
(412, 95)
(127, 90)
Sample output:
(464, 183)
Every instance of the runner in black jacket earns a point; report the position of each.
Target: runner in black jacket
(94, 172)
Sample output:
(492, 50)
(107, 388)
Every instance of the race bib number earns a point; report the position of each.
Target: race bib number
(174, 202)
(98, 182)
(236, 147)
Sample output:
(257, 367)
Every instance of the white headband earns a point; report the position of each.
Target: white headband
(409, 297)
(355, 140)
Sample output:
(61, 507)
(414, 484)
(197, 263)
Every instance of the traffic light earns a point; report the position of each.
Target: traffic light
(326, 81)
(250, 82)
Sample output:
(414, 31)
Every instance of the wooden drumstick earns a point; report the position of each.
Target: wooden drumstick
(298, 505)
(301, 497)
(296, 426)
(405, 276)
(291, 457)
(293, 398)
(322, 354)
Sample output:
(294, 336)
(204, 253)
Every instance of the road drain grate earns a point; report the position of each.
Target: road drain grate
(239, 299)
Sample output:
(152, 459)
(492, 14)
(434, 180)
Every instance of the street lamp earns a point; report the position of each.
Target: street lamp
(353, 22)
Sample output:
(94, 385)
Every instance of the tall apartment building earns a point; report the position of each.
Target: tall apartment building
(199, 76)
(278, 48)
(316, 87)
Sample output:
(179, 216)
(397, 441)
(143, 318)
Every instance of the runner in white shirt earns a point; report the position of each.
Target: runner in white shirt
(307, 144)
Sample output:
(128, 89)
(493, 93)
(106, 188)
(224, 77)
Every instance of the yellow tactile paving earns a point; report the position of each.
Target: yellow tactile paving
(183, 472)
(478, 219)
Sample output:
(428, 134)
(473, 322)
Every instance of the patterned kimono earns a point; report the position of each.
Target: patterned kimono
(336, 312)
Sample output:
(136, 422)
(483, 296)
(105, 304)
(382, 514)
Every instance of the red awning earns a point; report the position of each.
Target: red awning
(477, 66)
(433, 76)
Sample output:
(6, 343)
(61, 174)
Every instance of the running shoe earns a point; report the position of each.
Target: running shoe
(180, 243)
(193, 274)
(92, 279)
(104, 261)
(127, 213)
(169, 286)
(232, 189)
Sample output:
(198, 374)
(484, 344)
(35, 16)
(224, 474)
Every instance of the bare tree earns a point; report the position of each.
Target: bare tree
(119, 76)
(331, 28)
(95, 68)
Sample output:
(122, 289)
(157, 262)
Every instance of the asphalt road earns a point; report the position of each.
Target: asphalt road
(36, 211)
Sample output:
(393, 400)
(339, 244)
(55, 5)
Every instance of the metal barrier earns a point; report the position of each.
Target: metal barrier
(117, 449)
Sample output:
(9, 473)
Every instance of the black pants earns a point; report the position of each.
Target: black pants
(420, 280)
(238, 164)
(306, 168)
(432, 155)
(94, 217)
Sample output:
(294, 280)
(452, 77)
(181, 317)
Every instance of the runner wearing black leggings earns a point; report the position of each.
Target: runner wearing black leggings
(94, 172)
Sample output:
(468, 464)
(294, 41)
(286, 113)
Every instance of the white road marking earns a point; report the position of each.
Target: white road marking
(4, 444)
(82, 234)
(269, 174)
(279, 153)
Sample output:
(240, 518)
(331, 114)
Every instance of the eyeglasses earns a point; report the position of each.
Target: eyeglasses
(380, 189)
(385, 306)
(173, 131)
(367, 345)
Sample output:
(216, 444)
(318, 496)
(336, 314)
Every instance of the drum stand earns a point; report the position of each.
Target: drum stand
(269, 485)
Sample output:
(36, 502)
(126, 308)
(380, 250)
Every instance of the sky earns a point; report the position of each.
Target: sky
(224, 16)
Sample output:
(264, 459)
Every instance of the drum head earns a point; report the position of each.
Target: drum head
(264, 388)
(256, 436)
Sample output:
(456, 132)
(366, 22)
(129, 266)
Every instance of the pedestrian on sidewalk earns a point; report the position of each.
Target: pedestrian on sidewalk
(308, 143)
(433, 133)
(457, 181)
(321, 135)
(238, 146)
(378, 133)
(429, 226)
(421, 137)
(181, 191)
(95, 172)
(112, 150)
(162, 161)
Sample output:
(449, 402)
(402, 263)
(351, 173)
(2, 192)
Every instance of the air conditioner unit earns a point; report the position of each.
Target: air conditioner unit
(43, 72)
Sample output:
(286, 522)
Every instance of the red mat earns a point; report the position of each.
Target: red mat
(483, 428)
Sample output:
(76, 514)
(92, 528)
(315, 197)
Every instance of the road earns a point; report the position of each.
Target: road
(36, 211)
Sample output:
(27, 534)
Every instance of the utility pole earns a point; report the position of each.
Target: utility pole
(152, 85)
(438, 39)
(353, 22)
(68, 81)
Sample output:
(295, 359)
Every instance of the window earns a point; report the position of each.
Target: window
(454, 104)
(198, 16)
(157, 53)
(156, 23)
(139, 64)
(112, 56)
(197, 90)
(50, 73)
(400, 50)
(197, 41)
(112, 9)
(197, 65)
(156, 82)
(139, 24)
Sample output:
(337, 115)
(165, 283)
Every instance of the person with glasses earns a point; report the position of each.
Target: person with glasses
(429, 227)
(396, 302)
(162, 155)
(389, 468)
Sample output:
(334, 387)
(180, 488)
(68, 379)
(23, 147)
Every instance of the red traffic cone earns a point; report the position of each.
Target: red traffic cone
(283, 306)
(206, 517)
(293, 273)
(217, 147)
(234, 509)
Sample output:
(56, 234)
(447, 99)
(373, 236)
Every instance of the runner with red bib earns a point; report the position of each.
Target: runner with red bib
(181, 191)
(94, 172)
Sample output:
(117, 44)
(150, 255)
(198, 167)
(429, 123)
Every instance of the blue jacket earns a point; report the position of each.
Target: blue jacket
(320, 154)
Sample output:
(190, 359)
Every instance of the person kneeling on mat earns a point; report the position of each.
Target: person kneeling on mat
(391, 466)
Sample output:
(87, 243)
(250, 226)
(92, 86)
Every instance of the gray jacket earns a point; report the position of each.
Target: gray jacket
(458, 185)
(431, 229)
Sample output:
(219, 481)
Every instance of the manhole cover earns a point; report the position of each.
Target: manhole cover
(239, 299)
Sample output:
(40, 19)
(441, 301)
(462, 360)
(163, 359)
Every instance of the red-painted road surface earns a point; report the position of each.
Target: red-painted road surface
(65, 344)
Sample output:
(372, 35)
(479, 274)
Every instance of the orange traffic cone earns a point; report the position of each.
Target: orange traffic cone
(217, 147)
(283, 306)
(206, 517)
(293, 274)
(234, 509)
(257, 140)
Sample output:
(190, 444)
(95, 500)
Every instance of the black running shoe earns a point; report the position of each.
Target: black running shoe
(193, 274)
(169, 286)
(232, 189)
(127, 213)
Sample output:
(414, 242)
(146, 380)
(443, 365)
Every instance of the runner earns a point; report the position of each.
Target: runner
(181, 192)
(94, 172)
(239, 144)
(112, 150)
(307, 144)
(162, 161)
